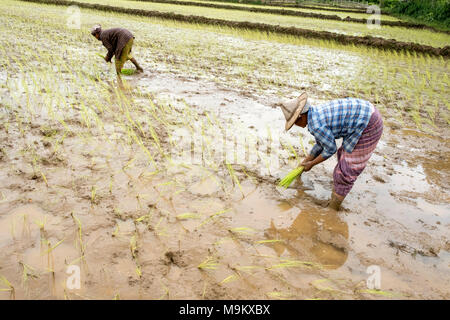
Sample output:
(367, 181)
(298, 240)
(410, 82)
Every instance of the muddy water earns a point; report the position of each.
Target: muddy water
(138, 229)
(397, 215)
(267, 242)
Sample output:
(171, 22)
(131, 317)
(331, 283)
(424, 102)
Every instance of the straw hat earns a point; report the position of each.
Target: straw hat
(293, 108)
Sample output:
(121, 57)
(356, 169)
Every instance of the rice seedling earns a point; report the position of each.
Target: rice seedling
(286, 263)
(204, 290)
(213, 216)
(234, 178)
(386, 294)
(116, 231)
(93, 193)
(51, 248)
(209, 263)
(41, 223)
(145, 218)
(134, 254)
(3, 197)
(166, 291)
(230, 278)
(278, 295)
(188, 215)
(269, 241)
(248, 269)
(127, 72)
(290, 177)
(28, 272)
(243, 230)
(320, 284)
(25, 226)
(422, 36)
(79, 239)
(9, 286)
(214, 55)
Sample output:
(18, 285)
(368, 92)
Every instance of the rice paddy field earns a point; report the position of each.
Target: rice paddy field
(129, 185)
(318, 10)
(424, 37)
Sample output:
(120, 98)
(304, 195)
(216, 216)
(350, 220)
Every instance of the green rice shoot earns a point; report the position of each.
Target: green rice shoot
(290, 177)
(188, 215)
(127, 72)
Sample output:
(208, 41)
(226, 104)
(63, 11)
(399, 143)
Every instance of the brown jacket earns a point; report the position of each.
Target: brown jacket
(114, 40)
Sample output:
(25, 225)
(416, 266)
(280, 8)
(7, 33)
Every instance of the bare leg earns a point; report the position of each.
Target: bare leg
(335, 201)
(138, 67)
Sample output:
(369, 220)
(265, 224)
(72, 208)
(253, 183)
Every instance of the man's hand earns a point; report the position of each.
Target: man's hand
(307, 165)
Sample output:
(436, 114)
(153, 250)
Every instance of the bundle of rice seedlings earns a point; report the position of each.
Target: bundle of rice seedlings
(128, 72)
(290, 177)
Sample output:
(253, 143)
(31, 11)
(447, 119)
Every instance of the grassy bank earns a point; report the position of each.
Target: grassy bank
(435, 13)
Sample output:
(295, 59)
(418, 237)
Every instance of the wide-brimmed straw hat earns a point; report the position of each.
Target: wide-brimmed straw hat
(293, 108)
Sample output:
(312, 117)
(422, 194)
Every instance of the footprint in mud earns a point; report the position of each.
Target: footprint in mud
(175, 258)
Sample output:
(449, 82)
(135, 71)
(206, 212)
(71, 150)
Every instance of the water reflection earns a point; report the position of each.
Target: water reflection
(316, 234)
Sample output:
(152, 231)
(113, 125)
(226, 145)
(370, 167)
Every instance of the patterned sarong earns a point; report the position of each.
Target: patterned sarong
(350, 165)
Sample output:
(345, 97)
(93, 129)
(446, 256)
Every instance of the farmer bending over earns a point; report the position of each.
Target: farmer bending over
(119, 42)
(357, 121)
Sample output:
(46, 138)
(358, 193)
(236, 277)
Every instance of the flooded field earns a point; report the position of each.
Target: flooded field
(146, 192)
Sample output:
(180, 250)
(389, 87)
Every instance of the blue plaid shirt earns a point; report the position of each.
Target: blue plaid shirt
(343, 118)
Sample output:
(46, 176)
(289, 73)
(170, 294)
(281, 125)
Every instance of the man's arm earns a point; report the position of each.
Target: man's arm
(308, 164)
(324, 148)
(110, 48)
(109, 55)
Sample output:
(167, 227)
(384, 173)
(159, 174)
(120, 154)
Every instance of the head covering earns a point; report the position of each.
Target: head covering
(293, 108)
(96, 29)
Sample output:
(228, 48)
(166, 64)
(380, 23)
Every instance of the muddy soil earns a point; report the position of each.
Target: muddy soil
(396, 217)
(74, 193)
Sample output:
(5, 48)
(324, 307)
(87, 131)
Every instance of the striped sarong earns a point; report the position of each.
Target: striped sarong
(350, 165)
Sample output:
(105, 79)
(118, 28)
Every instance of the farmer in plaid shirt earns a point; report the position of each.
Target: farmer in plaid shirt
(357, 121)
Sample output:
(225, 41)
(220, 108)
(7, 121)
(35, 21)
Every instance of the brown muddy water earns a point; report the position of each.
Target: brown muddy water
(80, 195)
(267, 242)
